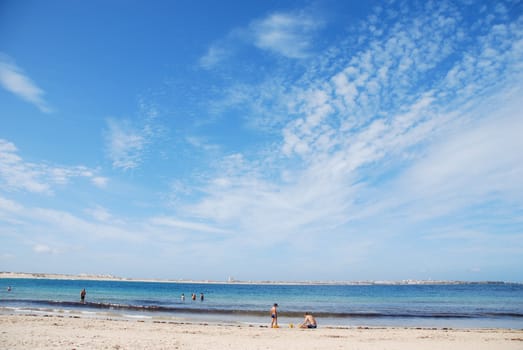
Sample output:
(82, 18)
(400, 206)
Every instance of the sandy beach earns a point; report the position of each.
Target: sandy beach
(73, 332)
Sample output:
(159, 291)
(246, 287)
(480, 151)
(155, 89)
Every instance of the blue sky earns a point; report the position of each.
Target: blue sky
(290, 140)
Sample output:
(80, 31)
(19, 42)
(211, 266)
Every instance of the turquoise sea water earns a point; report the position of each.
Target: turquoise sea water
(460, 305)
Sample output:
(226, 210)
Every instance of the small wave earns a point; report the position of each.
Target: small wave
(250, 312)
(142, 317)
(88, 312)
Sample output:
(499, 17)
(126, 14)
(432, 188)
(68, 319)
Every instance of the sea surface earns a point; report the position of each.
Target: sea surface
(475, 305)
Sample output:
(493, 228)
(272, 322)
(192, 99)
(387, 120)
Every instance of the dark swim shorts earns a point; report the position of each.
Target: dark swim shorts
(311, 326)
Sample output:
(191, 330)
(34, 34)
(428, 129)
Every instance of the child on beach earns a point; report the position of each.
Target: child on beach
(309, 321)
(274, 316)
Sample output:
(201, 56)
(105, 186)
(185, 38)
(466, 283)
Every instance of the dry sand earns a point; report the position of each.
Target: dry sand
(72, 332)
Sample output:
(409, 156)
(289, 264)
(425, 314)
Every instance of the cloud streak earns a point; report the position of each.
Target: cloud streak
(125, 145)
(398, 143)
(286, 34)
(13, 79)
(395, 110)
(215, 54)
(17, 174)
(127, 142)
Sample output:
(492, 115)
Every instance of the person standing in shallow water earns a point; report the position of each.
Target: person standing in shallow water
(82, 295)
(274, 316)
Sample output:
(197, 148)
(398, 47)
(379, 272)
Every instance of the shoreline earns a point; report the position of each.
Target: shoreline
(96, 277)
(74, 331)
(377, 307)
(233, 318)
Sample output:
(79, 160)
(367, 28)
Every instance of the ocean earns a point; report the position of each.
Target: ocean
(465, 305)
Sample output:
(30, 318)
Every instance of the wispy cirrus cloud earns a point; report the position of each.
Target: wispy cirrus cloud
(63, 233)
(288, 34)
(285, 34)
(99, 213)
(127, 141)
(383, 111)
(400, 137)
(18, 174)
(40, 248)
(14, 80)
(471, 166)
(185, 225)
(215, 54)
(125, 144)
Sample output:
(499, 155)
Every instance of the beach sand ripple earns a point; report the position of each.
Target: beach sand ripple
(73, 332)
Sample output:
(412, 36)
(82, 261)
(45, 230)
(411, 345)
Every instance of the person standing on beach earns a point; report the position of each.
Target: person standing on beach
(274, 316)
(201, 296)
(183, 297)
(82, 295)
(193, 297)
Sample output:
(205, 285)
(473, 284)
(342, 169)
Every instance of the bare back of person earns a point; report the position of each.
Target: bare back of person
(309, 321)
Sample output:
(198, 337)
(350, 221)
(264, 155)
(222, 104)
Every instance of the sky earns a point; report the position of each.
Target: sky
(262, 140)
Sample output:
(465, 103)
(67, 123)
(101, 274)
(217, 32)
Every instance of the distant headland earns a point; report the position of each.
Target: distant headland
(108, 277)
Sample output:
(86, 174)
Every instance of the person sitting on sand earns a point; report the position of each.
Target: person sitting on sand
(309, 321)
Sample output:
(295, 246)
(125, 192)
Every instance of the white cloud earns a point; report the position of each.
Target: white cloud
(44, 249)
(99, 213)
(100, 181)
(214, 55)
(125, 145)
(287, 34)
(202, 143)
(17, 174)
(9, 210)
(69, 225)
(354, 130)
(127, 141)
(13, 79)
(475, 163)
(185, 225)
(391, 140)
(290, 35)
(9, 205)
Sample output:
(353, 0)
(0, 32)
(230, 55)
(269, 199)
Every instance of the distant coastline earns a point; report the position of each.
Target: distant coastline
(107, 277)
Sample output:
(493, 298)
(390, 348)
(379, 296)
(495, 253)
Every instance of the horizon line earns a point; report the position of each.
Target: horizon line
(109, 277)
